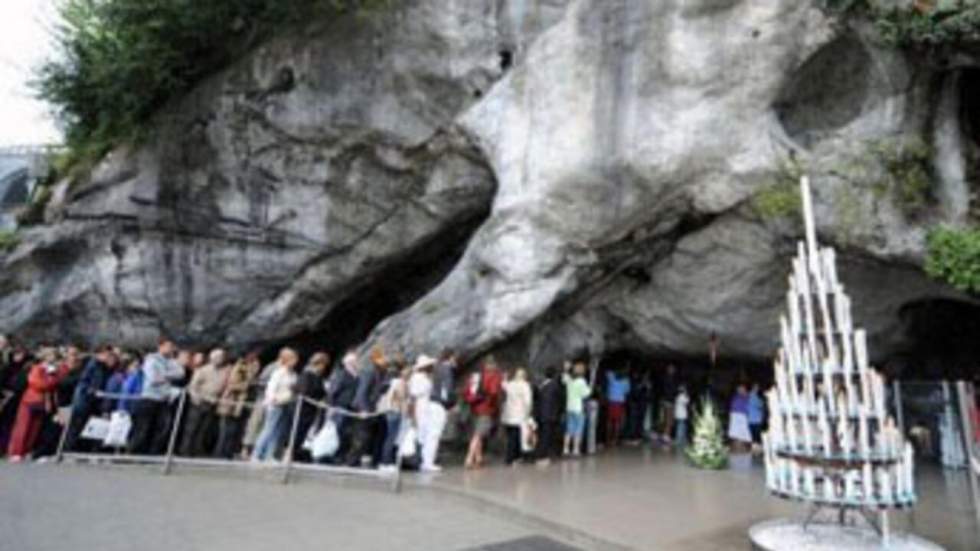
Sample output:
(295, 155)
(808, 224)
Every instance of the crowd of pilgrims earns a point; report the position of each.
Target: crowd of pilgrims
(238, 408)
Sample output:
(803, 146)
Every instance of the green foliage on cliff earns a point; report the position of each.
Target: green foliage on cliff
(908, 173)
(8, 240)
(781, 197)
(954, 257)
(121, 60)
(918, 23)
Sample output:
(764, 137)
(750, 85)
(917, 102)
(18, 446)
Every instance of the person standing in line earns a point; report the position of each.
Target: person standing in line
(84, 400)
(311, 386)
(132, 386)
(756, 415)
(366, 395)
(256, 419)
(152, 416)
(115, 384)
(53, 425)
(279, 394)
(206, 386)
(668, 389)
(576, 391)
(483, 393)
(430, 417)
(36, 404)
(681, 403)
(443, 396)
(231, 409)
(549, 407)
(617, 388)
(516, 414)
(343, 387)
(13, 385)
(394, 404)
(738, 421)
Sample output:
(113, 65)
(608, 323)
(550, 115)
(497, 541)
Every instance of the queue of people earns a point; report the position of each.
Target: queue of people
(383, 409)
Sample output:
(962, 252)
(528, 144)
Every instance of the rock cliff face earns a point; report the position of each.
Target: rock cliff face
(535, 177)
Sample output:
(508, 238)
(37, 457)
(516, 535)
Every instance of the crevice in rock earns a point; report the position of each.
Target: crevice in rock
(506, 60)
(970, 105)
(969, 117)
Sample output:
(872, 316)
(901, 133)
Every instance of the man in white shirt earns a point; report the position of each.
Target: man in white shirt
(430, 417)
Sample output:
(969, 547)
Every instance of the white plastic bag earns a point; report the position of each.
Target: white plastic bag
(326, 442)
(119, 426)
(409, 443)
(96, 428)
(529, 436)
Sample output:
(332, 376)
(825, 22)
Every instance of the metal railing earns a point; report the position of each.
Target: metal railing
(287, 464)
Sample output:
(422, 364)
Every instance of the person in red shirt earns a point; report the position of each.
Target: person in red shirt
(483, 394)
(35, 405)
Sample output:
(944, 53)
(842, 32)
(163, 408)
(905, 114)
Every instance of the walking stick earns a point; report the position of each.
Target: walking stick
(291, 450)
(168, 463)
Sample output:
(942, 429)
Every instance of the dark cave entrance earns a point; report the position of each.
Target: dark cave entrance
(696, 373)
(390, 291)
(944, 341)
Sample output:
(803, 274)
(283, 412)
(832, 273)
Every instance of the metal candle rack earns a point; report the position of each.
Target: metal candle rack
(831, 442)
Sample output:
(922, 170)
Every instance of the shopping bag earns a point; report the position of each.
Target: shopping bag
(96, 429)
(529, 436)
(326, 442)
(119, 425)
(409, 444)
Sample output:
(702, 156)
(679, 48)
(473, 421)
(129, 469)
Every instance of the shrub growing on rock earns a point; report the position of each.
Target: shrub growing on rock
(121, 60)
(954, 257)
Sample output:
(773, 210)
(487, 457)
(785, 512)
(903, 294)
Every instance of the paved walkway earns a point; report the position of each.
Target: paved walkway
(631, 499)
(651, 499)
(54, 508)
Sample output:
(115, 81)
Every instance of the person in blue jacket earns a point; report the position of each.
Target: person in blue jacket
(85, 402)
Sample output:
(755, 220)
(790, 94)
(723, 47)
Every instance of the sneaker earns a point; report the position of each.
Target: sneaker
(15, 459)
(387, 469)
(430, 469)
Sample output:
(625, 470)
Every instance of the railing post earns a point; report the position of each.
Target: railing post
(168, 462)
(966, 400)
(60, 455)
(291, 450)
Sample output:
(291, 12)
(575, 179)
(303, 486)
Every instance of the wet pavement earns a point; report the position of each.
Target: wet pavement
(87, 508)
(633, 498)
(644, 498)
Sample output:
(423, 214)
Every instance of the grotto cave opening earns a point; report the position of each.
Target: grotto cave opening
(696, 373)
(943, 341)
(392, 290)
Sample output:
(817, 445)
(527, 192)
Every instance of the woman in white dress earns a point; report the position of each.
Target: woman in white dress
(516, 413)
(738, 421)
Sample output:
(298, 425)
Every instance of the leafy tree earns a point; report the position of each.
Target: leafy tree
(119, 61)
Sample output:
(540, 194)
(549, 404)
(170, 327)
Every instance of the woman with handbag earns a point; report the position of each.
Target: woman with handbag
(483, 395)
(279, 396)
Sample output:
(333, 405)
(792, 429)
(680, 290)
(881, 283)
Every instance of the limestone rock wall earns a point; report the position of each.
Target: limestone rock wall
(533, 176)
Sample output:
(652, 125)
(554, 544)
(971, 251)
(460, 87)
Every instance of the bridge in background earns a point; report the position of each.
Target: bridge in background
(20, 168)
